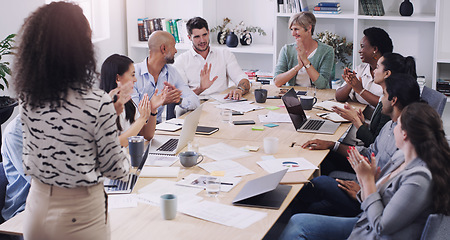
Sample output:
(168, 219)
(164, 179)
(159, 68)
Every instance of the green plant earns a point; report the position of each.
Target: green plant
(341, 47)
(239, 30)
(5, 49)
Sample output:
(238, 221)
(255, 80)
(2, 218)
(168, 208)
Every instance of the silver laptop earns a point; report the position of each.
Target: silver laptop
(299, 119)
(264, 192)
(171, 145)
(115, 186)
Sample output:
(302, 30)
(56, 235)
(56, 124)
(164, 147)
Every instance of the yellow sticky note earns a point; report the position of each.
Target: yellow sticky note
(258, 128)
(218, 173)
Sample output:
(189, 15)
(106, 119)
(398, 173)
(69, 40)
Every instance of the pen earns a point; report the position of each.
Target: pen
(322, 114)
(226, 183)
(109, 185)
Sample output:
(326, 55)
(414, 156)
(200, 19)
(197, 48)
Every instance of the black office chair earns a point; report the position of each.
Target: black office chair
(170, 111)
(435, 99)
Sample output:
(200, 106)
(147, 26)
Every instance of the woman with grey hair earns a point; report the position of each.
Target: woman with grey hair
(306, 62)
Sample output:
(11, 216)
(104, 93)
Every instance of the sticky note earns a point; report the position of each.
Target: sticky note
(248, 148)
(272, 108)
(258, 128)
(218, 173)
(271, 125)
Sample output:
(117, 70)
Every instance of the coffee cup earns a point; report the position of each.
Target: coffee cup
(308, 102)
(260, 95)
(168, 206)
(270, 145)
(136, 149)
(189, 158)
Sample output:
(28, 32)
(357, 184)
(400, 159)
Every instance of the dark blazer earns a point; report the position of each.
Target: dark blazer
(368, 133)
(400, 207)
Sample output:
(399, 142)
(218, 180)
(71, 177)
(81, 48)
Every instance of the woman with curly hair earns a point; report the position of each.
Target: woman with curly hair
(397, 204)
(70, 139)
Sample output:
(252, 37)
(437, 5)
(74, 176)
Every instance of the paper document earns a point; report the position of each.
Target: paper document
(160, 160)
(273, 117)
(199, 181)
(292, 164)
(240, 106)
(231, 168)
(221, 98)
(328, 105)
(332, 116)
(160, 172)
(151, 193)
(171, 125)
(222, 151)
(224, 214)
(122, 201)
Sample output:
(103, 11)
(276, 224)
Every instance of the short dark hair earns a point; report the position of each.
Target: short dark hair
(379, 38)
(404, 87)
(196, 23)
(117, 65)
(396, 63)
(55, 54)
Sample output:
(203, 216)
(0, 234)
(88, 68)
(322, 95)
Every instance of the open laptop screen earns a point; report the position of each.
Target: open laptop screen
(294, 108)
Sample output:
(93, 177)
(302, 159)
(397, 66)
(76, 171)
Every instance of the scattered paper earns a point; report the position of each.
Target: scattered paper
(224, 214)
(231, 168)
(328, 105)
(151, 193)
(122, 201)
(332, 116)
(240, 106)
(217, 152)
(272, 117)
(164, 126)
(160, 160)
(199, 181)
(221, 98)
(160, 172)
(292, 164)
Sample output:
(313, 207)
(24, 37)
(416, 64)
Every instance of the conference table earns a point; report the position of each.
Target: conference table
(145, 221)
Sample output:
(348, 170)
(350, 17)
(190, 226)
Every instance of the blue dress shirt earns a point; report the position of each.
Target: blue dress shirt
(146, 84)
(18, 184)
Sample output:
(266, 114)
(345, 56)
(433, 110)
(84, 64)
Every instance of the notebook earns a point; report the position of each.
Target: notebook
(264, 192)
(171, 145)
(116, 186)
(299, 119)
(204, 130)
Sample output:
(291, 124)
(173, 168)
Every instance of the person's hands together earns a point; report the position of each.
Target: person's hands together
(365, 170)
(349, 113)
(173, 94)
(350, 187)
(301, 52)
(317, 144)
(158, 100)
(144, 107)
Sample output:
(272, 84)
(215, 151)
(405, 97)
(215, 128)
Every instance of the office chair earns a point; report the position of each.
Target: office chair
(3, 183)
(170, 108)
(437, 227)
(435, 99)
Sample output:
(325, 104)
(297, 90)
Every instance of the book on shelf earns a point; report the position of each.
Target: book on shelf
(379, 7)
(304, 5)
(317, 8)
(280, 6)
(327, 12)
(175, 29)
(141, 29)
(329, 4)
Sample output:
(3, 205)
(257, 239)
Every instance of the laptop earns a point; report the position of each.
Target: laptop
(171, 145)
(116, 186)
(264, 192)
(299, 119)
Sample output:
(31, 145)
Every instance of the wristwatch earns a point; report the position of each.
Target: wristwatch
(240, 88)
(179, 102)
(308, 65)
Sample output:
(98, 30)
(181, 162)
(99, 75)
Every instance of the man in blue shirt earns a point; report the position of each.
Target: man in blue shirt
(18, 184)
(156, 73)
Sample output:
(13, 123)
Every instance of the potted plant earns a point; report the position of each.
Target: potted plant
(241, 31)
(7, 104)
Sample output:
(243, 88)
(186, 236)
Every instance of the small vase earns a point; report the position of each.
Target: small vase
(246, 38)
(221, 40)
(232, 40)
(406, 8)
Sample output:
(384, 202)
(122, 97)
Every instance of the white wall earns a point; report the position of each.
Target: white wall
(19, 10)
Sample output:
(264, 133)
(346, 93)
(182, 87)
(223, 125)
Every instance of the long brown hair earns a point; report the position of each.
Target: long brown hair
(425, 131)
(55, 54)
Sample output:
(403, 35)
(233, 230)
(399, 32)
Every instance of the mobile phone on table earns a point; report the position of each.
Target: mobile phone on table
(244, 122)
(236, 113)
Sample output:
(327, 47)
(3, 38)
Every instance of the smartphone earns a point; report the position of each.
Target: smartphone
(273, 97)
(301, 92)
(244, 122)
(236, 113)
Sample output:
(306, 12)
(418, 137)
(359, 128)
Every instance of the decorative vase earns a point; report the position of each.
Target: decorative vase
(246, 38)
(232, 40)
(406, 8)
(221, 37)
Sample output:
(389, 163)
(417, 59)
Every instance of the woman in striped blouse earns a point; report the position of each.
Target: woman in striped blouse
(70, 139)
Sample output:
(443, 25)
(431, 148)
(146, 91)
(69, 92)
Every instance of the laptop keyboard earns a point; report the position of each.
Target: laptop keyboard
(169, 145)
(119, 185)
(313, 124)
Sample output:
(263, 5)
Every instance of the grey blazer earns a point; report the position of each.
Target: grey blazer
(400, 207)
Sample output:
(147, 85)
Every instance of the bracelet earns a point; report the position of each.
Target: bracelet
(241, 88)
(362, 91)
(154, 114)
(336, 146)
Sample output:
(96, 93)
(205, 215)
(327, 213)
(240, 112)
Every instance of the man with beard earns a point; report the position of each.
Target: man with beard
(198, 64)
(155, 72)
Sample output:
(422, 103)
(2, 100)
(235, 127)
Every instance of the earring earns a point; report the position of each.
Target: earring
(375, 57)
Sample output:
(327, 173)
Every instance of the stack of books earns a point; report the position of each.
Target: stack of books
(176, 27)
(327, 8)
(372, 7)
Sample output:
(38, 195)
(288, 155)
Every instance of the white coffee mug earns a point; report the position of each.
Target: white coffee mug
(168, 206)
(270, 145)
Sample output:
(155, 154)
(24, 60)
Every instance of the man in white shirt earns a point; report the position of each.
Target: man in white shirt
(199, 63)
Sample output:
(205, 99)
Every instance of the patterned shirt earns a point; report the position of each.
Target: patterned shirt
(76, 144)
